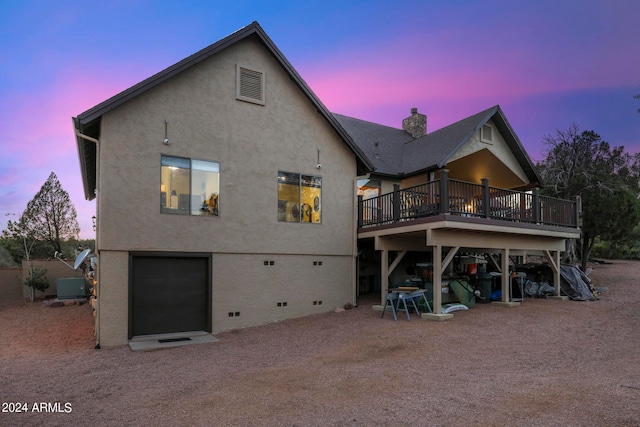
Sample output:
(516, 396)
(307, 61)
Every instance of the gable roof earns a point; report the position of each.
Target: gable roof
(401, 155)
(383, 145)
(87, 124)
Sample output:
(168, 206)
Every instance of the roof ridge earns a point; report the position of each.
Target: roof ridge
(480, 114)
(368, 121)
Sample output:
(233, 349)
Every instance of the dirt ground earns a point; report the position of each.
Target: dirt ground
(543, 363)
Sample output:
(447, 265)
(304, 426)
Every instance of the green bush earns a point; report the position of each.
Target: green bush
(632, 253)
(38, 279)
(604, 249)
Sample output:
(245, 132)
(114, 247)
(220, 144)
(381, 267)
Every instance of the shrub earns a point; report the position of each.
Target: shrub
(37, 279)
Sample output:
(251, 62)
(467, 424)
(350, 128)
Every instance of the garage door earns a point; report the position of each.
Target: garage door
(169, 294)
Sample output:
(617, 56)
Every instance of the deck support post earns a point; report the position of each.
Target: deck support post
(505, 301)
(384, 275)
(553, 257)
(437, 288)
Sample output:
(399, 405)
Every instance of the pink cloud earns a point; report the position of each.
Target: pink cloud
(528, 52)
(40, 140)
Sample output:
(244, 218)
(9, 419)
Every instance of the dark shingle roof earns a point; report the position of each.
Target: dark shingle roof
(434, 149)
(386, 156)
(398, 154)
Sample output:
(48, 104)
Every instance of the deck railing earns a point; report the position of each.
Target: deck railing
(466, 199)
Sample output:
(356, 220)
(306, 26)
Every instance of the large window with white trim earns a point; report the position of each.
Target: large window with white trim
(299, 198)
(189, 186)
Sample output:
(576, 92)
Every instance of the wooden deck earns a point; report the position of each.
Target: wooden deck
(468, 202)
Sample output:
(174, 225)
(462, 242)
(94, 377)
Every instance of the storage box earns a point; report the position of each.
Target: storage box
(71, 288)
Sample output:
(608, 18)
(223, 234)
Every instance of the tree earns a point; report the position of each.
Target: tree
(606, 179)
(50, 218)
(6, 261)
(21, 244)
(22, 234)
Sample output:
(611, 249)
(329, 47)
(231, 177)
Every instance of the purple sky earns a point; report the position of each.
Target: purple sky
(549, 64)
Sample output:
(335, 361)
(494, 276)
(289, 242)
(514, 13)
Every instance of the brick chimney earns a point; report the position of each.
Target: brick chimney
(416, 124)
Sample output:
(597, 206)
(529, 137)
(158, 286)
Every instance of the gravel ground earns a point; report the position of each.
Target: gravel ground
(544, 363)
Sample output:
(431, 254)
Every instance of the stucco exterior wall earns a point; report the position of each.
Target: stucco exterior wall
(11, 284)
(416, 180)
(55, 270)
(252, 143)
(113, 298)
(293, 286)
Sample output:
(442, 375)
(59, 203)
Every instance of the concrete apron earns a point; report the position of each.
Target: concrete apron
(160, 341)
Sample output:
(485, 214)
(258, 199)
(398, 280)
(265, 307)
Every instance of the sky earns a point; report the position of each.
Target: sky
(549, 64)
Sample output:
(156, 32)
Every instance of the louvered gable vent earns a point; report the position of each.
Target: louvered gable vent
(486, 134)
(250, 85)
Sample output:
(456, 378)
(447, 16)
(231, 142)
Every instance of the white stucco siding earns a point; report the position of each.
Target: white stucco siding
(498, 147)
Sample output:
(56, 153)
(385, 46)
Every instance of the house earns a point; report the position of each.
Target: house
(226, 194)
(469, 188)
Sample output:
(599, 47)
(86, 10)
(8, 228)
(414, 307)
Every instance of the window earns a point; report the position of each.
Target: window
(249, 85)
(486, 133)
(189, 187)
(299, 198)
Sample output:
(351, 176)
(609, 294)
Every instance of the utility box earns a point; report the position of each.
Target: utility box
(71, 288)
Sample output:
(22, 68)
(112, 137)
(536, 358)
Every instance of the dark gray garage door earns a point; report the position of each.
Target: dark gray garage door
(169, 294)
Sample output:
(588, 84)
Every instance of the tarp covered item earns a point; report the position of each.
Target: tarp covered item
(538, 289)
(575, 284)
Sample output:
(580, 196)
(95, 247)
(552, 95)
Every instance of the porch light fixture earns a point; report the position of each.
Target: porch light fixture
(166, 132)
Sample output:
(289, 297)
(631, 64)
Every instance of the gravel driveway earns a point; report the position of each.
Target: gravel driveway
(544, 363)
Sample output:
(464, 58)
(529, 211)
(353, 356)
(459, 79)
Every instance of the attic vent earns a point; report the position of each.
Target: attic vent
(250, 85)
(486, 134)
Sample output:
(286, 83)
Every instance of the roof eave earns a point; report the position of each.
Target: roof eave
(518, 151)
(87, 152)
(135, 90)
(512, 141)
(320, 107)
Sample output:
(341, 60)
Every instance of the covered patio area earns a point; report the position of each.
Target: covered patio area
(441, 241)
